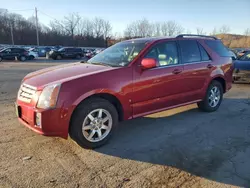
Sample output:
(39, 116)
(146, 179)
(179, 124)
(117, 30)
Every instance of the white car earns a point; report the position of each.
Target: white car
(33, 55)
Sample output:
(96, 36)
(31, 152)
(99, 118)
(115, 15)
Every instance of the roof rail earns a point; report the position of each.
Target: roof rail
(193, 35)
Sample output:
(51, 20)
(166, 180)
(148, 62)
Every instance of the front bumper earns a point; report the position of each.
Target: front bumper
(53, 122)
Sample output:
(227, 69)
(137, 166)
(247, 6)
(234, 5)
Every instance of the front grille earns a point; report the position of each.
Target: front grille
(26, 93)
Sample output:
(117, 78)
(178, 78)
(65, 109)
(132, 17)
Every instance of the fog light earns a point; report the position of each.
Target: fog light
(38, 120)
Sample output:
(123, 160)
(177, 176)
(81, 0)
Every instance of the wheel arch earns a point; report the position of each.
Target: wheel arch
(221, 80)
(107, 96)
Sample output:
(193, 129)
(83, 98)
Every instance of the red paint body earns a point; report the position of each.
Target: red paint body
(140, 92)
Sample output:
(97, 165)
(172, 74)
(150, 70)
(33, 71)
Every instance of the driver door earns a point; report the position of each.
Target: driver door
(160, 87)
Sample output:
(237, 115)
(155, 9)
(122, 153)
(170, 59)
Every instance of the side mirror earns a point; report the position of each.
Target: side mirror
(233, 58)
(148, 63)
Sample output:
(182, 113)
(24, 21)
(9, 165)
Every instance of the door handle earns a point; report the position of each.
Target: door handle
(210, 66)
(177, 71)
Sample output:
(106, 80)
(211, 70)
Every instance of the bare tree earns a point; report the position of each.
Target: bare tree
(139, 28)
(85, 28)
(89, 31)
(188, 31)
(171, 28)
(200, 31)
(247, 32)
(98, 26)
(71, 22)
(224, 29)
(179, 29)
(214, 32)
(57, 27)
(156, 28)
(107, 28)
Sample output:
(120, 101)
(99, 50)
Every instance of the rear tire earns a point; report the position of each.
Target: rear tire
(78, 56)
(213, 98)
(91, 128)
(31, 57)
(1, 59)
(58, 57)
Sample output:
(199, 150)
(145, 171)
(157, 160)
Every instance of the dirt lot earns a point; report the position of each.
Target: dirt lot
(175, 148)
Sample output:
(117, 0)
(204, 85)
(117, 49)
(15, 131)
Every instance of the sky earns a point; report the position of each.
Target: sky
(190, 14)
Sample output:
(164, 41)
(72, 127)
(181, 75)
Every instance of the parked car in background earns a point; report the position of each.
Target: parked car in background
(43, 51)
(242, 68)
(11, 53)
(241, 53)
(88, 53)
(66, 53)
(87, 99)
(233, 55)
(32, 54)
(97, 51)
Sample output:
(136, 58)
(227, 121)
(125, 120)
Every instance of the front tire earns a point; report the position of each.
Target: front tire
(93, 123)
(31, 57)
(22, 58)
(1, 59)
(213, 98)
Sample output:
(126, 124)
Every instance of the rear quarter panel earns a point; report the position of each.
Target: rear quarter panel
(223, 68)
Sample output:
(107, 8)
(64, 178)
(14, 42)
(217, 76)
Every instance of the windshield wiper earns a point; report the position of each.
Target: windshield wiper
(99, 63)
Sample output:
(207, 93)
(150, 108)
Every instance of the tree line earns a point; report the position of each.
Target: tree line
(74, 30)
(70, 31)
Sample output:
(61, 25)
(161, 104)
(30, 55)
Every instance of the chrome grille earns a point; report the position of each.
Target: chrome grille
(26, 93)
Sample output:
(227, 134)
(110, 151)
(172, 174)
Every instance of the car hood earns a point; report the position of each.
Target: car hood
(62, 73)
(242, 65)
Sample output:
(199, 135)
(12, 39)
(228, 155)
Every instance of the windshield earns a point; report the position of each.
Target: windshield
(61, 49)
(245, 57)
(3, 49)
(120, 54)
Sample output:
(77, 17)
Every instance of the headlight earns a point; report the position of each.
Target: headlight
(48, 97)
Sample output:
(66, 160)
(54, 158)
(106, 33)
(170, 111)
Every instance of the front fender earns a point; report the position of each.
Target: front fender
(126, 107)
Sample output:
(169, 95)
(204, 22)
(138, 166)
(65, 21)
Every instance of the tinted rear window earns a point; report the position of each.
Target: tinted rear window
(190, 51)
(218, 47)
(204, 54)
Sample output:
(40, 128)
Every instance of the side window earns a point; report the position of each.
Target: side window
(190, 51)
(78, 50)
(218, 47)
(16, 50)
(8, 50)
(245, 57)
(71, 50)
(204, 54)
(65, 50)
(165, 53)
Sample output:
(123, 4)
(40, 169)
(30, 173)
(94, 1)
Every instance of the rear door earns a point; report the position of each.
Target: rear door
(16, 52)
(70, 52)
(197, 68)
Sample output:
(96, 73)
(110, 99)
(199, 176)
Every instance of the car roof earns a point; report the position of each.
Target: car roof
(181, 36)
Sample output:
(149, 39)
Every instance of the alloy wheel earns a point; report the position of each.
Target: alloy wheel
(97, 125)
(214, 97)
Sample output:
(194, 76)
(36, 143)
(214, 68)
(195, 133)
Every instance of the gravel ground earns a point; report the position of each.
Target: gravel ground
(176, 148)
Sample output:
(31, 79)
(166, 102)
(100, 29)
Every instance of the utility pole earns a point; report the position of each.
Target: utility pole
(11, 32)
(37, 33)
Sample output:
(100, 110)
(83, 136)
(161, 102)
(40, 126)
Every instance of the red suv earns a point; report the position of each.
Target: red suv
(130, 79)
